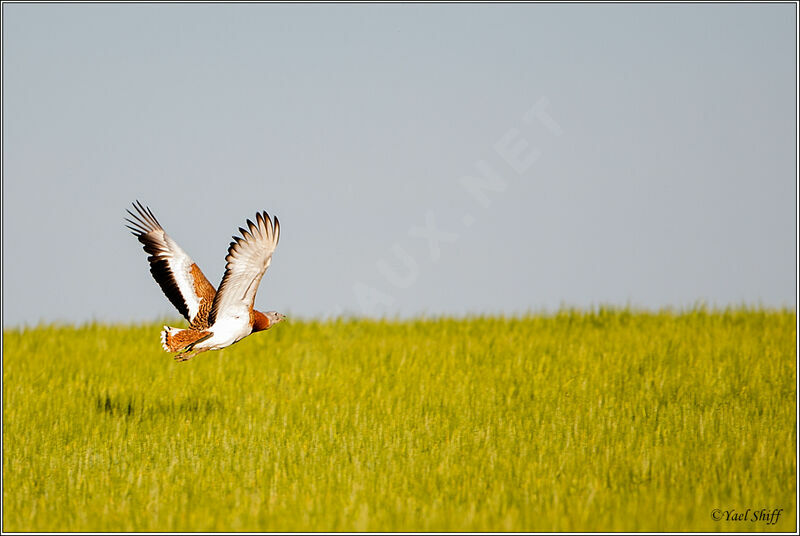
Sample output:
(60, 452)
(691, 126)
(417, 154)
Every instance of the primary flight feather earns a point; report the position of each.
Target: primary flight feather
(217, 317)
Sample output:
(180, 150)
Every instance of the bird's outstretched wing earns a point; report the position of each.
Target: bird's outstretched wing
(174, 271)
(247, 260)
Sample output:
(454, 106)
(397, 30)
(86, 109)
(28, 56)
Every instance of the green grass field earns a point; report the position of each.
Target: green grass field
(609, 420)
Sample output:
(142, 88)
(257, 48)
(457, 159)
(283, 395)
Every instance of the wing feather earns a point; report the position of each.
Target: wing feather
(248, 258)
(176, 273)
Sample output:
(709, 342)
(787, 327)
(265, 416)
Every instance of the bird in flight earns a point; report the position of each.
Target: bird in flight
(217, 317)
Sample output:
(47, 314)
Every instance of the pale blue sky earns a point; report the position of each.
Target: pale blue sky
(660, 171)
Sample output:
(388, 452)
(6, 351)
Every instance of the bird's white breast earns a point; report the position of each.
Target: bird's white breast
(227, 331)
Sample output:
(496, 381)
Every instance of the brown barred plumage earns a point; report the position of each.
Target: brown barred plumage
(175, 340)
(206, 292)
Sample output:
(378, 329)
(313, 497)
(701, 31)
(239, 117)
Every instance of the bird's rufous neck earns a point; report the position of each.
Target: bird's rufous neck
(260, 321)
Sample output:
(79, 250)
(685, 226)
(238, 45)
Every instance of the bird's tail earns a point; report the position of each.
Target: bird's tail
(176, 339)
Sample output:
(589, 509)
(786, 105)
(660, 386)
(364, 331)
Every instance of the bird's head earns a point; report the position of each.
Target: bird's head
(262, 321)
